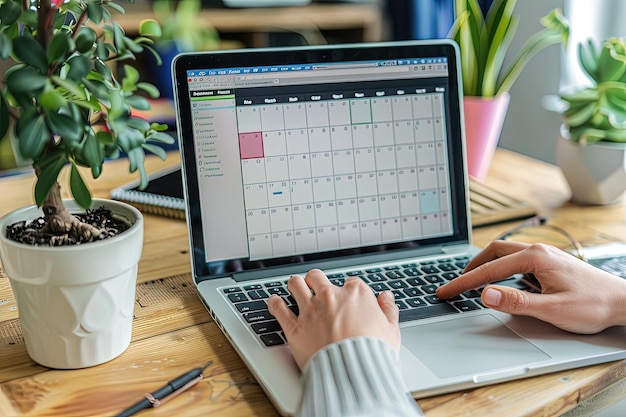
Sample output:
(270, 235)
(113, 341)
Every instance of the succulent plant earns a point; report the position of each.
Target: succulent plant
(598, 112)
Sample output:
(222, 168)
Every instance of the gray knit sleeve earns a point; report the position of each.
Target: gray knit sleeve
(356, 377)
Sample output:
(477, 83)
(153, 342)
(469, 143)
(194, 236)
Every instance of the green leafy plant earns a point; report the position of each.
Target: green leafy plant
(484, 41)
(598, 112)
(181, 24)
(63, 102)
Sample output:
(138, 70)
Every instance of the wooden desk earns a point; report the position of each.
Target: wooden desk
(173, 333)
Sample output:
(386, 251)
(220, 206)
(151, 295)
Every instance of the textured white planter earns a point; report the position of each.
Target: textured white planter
(75, 303)
(596, 173)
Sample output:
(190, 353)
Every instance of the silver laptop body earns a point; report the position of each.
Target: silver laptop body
(348, 158)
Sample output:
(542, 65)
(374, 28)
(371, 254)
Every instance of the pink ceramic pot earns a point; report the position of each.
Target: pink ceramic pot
(484, 118)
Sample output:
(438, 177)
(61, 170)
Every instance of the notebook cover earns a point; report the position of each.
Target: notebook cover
(163, 196)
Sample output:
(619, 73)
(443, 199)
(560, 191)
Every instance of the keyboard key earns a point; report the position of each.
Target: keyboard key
(256, 316)
(433, 299)
(257, 294)
(416, 302)
(401, 305)
(466, 305)
(397, 294)
(472, 294)
(416, 282)
(252, 287)
(412, 292)
(430, 269)
(272, 339)
(379, 287)
(428, 311)
(429, 289)
(237, 297)
(231, 290)
(394, 274)
(450, 275)
(277, 290)
(412, 272)
(462, 264)
(396, 285)
(377, 277)
(447, 267)
(434, 279)
(251, 306)
(338, 281)
(273, 284)
(266, 327)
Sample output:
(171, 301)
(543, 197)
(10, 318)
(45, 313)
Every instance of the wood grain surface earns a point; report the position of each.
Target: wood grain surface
(172, 332)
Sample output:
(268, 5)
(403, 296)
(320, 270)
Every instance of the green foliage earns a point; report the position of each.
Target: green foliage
(485, 41)
(181, 23)
(598, 113)
(67, 104)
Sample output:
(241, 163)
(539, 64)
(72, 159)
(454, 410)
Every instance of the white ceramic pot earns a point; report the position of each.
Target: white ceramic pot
(75, 303)
(596, 173)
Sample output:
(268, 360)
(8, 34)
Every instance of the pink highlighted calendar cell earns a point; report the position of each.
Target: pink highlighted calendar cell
(251, 145)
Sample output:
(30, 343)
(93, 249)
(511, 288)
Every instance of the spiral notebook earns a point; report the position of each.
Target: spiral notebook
(163, 196)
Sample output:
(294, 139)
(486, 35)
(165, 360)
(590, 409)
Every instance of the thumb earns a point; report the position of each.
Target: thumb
(387, 304)
(509, 300)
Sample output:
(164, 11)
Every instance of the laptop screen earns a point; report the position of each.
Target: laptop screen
(316, 153)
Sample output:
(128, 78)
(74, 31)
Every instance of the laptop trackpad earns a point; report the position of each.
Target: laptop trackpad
(470, 345)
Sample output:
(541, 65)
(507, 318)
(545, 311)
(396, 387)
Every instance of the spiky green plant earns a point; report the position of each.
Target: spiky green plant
(598, 112)
(64, 103)
(485, 40)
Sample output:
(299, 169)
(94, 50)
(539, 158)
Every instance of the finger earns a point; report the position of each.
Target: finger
(279, 309)
(387, 304)
(495, 270)
(496, 249)
(514, 301)
(316, 280)
(299, 290)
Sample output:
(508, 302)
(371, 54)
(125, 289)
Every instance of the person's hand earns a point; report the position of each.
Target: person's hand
(329, 314)
(575, 296)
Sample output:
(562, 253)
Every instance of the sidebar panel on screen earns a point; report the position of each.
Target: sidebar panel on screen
(219, 174)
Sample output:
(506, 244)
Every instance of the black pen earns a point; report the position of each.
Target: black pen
(167, 392)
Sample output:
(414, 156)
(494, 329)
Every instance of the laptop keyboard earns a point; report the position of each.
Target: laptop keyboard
(413, 286)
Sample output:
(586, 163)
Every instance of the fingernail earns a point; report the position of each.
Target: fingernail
(492, 297)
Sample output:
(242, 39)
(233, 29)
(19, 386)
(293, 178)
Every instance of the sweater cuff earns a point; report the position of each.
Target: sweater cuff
(356, 376)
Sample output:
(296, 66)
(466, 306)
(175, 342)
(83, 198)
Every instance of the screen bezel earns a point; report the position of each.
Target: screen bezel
(320, 54)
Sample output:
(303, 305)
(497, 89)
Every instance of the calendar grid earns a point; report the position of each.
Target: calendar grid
(340, 173)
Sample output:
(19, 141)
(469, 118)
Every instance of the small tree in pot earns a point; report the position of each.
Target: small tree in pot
(66, 105)
(67, 108)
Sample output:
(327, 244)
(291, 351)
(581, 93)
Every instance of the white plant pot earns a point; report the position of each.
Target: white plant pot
(75, 303)
(596, 173)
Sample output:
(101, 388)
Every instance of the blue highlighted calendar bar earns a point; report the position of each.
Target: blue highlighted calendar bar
(277, 192)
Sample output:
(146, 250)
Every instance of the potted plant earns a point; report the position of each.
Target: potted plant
(591, 150)
(182, 31)
(73, 272)
(484, 41)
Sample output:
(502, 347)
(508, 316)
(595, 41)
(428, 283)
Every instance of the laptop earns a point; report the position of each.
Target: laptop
(348, 158)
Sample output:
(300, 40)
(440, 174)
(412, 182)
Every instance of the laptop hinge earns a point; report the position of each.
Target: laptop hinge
(456, 248)
(348, 262)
